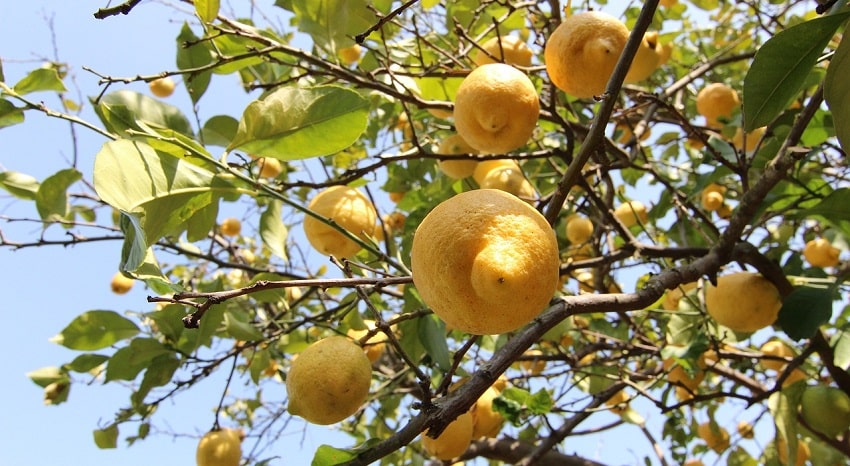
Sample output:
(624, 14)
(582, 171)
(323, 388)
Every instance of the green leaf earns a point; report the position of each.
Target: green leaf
(120, 110)
(145, 350)
(106, 438)
(207, 10)
(159, 373)
(834, 210)
(836, 92)
(740, 457)
(192, 57)
(19, 185)
(804, 310)
(783, 407)
(9, 114)
(327, 455)
(219, 130)
(94, 330)
(86, 362)
(169, 321)
(135, 247)
(47, 375)
(781, 65)
(51, 200)
(840, 343)
(162, 192)
(237, 325)
(540, 402)
(332, 23)
(259, 362)
(272, 229)
(294, 123)
(432, 334)
(274, 295)
(119, 366)
(42, 79)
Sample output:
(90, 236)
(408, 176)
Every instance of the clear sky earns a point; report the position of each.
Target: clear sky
(45, 288)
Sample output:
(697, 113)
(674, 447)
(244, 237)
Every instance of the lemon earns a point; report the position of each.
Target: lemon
(120, 283)
(512, 51)
(349, 209)
(803, 451)
(582, 52)
(711, 197)
(486, 422)
(269, 167)
(820, 252)
(162, 87)
(677, 375)
(692, 461)
(671, 299)
(745, 430)
(485, 167)
(221, 447)
(797, 375)
(485, 261)
(826, 409)
(510, 180)
(453, 441)
(374, 346)
(328, 381)
(534, 365)
(349, 55)
(631, 213)
(717, 100)
(457, 169)
(743, 301)
(725, 211)
(779, 349)
(668, 3)
(396, 196)
(753, 139)
(619, 402)
(623, 133)
(496, 108)
(646, 60)
(231, 227)
(579, 229)
(716, 437)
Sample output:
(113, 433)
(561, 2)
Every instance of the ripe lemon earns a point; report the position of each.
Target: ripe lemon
(374, 346)
(712, 198)
(396, 196)
(231, 227)
(803, 451)
(349, 55)
(328, 381)
(485, 261)
(510, 180)
(120, 284)
(533, 365)
(162, 87)
(716, 437)
(454, 440)
(717, 100)
(582, 52)
(485, 167)
(457, 169)
(745, 430)
(820, 252)
(221, 447)
(623, 133)
(512, 51)
(269, 167)
(618, 403)
(779, 349)
(496, 108)
(647, 58)
(486, 422)
(743, 301)
(349, 209)
(753, 139)
(671, 299)
(579, 229)
(668, 3)
(631, 213)
(826, 409)
(679, 376)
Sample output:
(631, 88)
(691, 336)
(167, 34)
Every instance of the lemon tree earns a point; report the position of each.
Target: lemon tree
(611, 220)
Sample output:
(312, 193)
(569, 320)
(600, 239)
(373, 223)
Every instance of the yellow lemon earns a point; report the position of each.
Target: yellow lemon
(396, 196)
(485, 167)
(631, 213)
(485, 261)
(647, 58)
(712, 198)
(679, 376)
(349, 209)
(579, 229)
(510, 180)
(618, 403)
(486, 422)
(349, 55)
(717, 100)
(716, 437)
(745, 430)
(374, 346)
(269, 167)
(623, 133)
(496, 108)
(743, 301)
(120, 283)
(510, 49)
(582, 52)
(231, 227)
(221, 447)
(820, 252)
(453, 441)
(457, 169)
(779, 349)
(803, 451)
(534, 365)
(753, 139)
(162, 87)
(671, 299)
(328, 381)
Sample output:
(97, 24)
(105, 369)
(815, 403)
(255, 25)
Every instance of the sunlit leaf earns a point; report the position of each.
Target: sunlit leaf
(327, 455)
(432, 334)
(783, 407)
(19, 185)
(106, 438)
(120, 110)
(207, 10)
(51, 200)
(86, 362)
(781, 65)
(272, 229)
(47, 375)
(332, 23)
(219, 130)
(42, 79)
(135, 247)
(259, 363)
(840, 343)
(159, 373)
(295, 123)
(836, 92)
(9, 114)
(191, 57)
(804, 311)
(238, 326)
(94, 330)
(834, 209)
